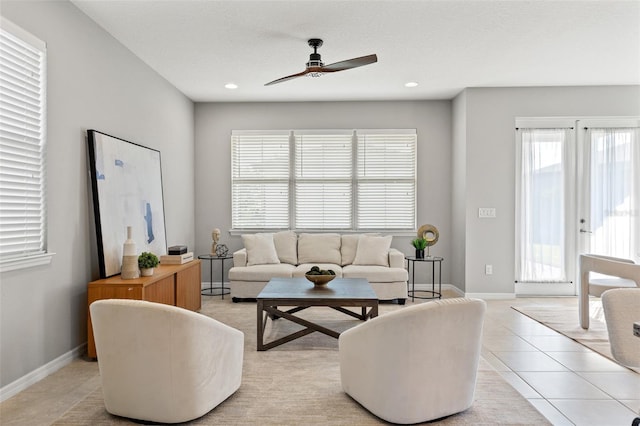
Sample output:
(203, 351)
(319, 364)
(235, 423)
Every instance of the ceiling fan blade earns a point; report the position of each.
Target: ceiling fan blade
(350, 63)
(289, 77)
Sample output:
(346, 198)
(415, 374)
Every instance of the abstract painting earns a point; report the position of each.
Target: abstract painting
(126, 179)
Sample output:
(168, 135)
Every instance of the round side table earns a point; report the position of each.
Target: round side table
(221, 290)
(411, 269)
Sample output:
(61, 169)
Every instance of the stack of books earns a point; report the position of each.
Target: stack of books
(176, 259)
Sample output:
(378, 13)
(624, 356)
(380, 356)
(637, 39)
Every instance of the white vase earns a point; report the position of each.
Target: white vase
(146, 272)
(129, 258)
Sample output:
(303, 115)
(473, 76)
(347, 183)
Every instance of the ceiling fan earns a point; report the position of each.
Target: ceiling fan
(316, 68)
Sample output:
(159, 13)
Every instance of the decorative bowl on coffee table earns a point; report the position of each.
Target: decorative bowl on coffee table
(319, 280)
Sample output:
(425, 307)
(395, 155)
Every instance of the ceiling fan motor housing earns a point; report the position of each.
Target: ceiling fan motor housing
(315, 59)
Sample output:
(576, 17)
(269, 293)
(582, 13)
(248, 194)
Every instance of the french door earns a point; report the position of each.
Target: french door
(609, 207)
(578, 191)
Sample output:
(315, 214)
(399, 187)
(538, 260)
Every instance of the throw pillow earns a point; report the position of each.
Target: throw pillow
(349, 247)
(319, 248)
(286, 243)
(260, 249)
(373, 250)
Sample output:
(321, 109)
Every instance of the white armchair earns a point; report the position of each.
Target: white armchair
(625, 274)
(621, 309)
(161, 363)
(415, 364)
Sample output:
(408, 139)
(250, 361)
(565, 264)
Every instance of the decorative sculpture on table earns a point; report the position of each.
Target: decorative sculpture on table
(221, 250)
(215, 236)
(430, 234)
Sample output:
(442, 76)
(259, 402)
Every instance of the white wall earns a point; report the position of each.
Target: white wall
(214, 122)
(489, 166)
(458, 192)
(93, 82)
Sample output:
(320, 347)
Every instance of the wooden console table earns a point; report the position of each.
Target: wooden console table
(177, 285)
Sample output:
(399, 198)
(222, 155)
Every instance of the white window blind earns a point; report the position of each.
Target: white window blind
(386, 184)
(323, 180)
(260, 180)
(22, 142)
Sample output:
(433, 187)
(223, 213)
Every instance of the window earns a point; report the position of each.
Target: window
(22, 142)
(260, 180)
(324, 180)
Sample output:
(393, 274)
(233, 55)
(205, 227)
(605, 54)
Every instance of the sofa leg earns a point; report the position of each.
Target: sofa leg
(401, 301)
(235, 299)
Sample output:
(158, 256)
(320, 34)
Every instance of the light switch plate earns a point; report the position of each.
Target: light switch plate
(487, 212)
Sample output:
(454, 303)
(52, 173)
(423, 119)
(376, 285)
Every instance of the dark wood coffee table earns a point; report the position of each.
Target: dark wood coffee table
(302, 294)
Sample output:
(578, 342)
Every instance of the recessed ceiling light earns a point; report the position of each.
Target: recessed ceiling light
(231, 86)
(411, 84)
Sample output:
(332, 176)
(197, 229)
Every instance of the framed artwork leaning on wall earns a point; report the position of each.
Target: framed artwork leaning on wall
(126, 181)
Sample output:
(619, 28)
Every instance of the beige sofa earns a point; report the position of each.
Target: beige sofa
(287, 254)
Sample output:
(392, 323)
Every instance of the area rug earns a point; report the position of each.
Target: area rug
(299, 383)
(564, 319)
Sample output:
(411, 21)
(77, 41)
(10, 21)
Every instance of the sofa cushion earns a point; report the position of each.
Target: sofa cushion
(319, 248)
(261, 273)
(375, 274)
(304, 268)
(373, 250)
(286, 243)
(260, 249)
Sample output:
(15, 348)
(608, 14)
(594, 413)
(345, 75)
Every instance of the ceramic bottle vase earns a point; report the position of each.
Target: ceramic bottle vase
(129, 258)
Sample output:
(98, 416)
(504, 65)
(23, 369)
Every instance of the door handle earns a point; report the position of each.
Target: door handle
(584, 231)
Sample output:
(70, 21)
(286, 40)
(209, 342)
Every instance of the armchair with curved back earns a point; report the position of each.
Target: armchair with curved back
(376, 359)
(162, 363)
(621, 310)
(624, 274)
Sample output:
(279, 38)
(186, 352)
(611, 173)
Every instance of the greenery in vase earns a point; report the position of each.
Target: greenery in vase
(419, 243)
(147, 260)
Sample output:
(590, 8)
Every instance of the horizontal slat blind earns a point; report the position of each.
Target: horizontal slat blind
(260, 180)
(323, 180)
(22, 139)
(386, 180)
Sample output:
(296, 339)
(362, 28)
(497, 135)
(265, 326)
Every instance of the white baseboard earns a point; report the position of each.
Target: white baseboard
(40, 373)
(491, 295)
(447, 287)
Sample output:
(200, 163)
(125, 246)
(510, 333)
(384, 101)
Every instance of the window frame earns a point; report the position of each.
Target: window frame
(41, 256)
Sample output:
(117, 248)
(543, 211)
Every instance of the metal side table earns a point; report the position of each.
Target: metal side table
(221, 290)
(411, 269)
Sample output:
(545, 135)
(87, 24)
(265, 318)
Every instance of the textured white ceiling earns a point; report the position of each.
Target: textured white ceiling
(445, 46)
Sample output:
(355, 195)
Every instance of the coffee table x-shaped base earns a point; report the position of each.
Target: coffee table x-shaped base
(268, 308)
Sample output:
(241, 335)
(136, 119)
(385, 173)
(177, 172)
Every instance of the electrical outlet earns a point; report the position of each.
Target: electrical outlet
(488, 269)
(487, 212)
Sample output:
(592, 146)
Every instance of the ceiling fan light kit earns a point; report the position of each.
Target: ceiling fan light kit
(316, 68)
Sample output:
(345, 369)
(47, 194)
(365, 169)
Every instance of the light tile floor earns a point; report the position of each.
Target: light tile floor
(568, 383)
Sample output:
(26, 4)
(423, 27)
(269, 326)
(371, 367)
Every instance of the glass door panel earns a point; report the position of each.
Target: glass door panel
(609, 223)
